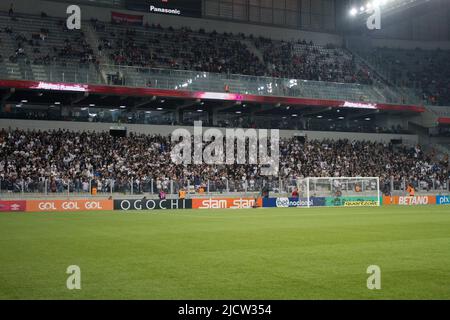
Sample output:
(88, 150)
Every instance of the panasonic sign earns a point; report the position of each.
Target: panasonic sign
(165, 10)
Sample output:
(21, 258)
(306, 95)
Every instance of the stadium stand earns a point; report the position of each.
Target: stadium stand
(34, 160)
(40, 48)
(43, 49)
(424, 72)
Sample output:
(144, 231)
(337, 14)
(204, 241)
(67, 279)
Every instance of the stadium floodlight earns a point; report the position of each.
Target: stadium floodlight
(353, 12)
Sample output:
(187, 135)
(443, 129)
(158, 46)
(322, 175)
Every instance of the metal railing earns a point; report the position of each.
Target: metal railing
(204, 81)
(66, 188)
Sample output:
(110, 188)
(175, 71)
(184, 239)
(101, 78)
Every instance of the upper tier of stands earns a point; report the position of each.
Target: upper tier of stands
(41, 48)
(302, 60)
(424, 73)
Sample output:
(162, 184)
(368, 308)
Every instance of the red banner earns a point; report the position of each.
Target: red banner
(226, 203)
(444, 120)
(68, 205)
(123, 18)
(12, 206)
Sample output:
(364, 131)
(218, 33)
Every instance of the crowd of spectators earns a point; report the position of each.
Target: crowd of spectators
(185, 49)
(30, 159)
(305, 60)
(47, 45)
(179, 49)
(425, 71)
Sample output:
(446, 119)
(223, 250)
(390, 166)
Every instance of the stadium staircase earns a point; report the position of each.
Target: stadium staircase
(93, 40)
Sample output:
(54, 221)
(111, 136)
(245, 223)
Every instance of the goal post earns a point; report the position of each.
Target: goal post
(339, 191)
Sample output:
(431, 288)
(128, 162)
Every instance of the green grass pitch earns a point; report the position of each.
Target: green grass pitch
(317, 253)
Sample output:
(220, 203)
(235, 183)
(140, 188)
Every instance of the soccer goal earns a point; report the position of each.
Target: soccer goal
(339, 191)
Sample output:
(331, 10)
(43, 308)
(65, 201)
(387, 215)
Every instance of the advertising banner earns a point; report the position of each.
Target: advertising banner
(292, 202)
(351, 201)
(190, 8)
(139, 204)
(12, 206)
(68, 205)
(119, 18)
(409, 200)
(442, 200)
(226, 203)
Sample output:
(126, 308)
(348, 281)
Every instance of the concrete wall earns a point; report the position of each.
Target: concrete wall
(57, 9)
(167, 130)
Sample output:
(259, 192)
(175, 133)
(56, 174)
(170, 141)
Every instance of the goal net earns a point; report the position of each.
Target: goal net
(337, 192)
